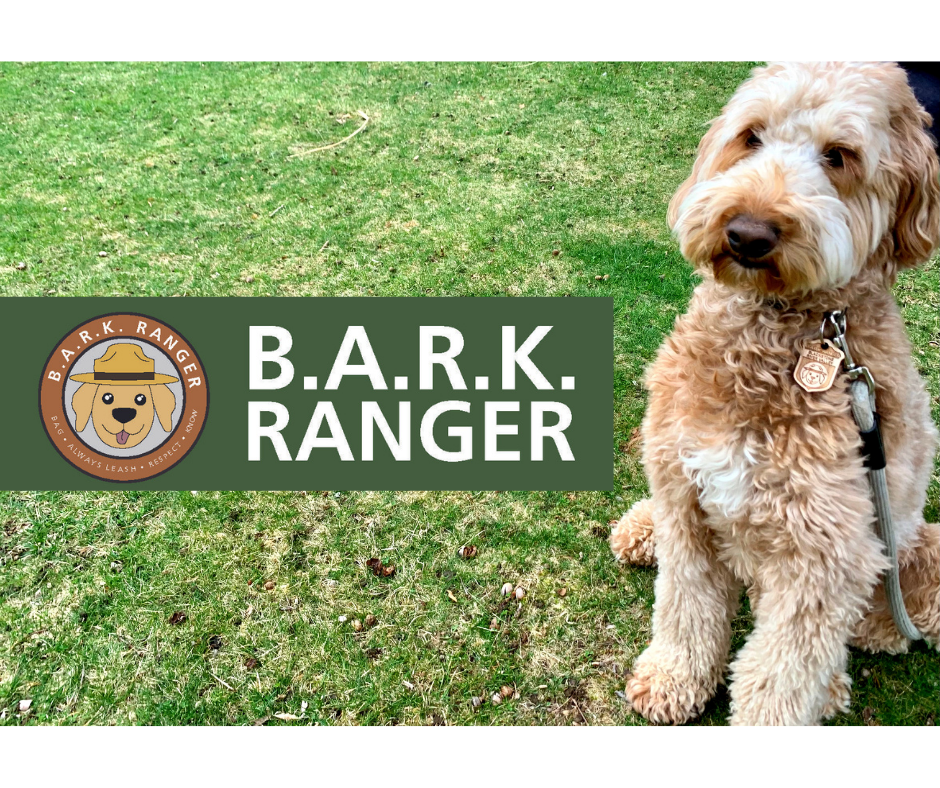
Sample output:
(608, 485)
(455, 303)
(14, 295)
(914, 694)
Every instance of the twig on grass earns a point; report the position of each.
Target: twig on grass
(365, 122)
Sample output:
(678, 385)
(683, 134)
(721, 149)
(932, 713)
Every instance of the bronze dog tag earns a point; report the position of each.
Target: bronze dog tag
(818, 366)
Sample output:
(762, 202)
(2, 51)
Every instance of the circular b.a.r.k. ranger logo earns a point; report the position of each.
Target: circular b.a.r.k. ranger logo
(123, 397)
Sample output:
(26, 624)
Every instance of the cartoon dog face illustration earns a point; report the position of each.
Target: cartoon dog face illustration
(122, 396)
(814, 374)
(123, 415)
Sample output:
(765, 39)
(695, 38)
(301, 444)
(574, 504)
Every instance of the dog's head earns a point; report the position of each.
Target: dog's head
(123, 415)
(811, 173)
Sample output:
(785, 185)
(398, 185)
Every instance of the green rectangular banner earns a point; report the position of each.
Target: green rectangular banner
(308, 393)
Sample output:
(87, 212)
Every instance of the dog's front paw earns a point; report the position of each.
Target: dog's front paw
(664, 697)
(840, 695)
(632, 538)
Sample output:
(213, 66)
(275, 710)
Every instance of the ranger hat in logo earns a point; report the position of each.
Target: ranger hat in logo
(123, 397)
(124, 365)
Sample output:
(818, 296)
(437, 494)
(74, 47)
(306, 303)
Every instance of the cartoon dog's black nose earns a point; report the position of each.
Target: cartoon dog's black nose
(750, 238)
(123, 415)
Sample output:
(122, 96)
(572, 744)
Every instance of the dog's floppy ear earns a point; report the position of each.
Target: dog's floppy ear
(917, 225)
(704, 151)
(82, 401)
(164, 402)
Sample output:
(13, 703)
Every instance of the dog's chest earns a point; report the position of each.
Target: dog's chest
(723, 472)
(738, 489)
(734, 430)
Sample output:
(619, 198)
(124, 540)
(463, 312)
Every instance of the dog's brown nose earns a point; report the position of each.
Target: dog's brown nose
(750, 238)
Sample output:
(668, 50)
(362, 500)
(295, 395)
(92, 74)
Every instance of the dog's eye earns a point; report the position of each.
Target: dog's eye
(752, 140)
(835, 158)
(140, 399)
(107, 399)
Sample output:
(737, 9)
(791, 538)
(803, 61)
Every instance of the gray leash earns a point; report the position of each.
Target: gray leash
(862, 388)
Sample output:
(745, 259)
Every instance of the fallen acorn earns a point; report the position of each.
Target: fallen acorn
(494, 624)
(357, 625)
(269, 585)
(562, 592)
(506, 691)
(467, 551)
(371, 621)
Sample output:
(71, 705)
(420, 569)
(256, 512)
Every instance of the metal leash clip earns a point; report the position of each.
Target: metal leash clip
(838, 322)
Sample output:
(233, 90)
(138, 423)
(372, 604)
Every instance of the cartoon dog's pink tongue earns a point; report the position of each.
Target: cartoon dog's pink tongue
(122, 437)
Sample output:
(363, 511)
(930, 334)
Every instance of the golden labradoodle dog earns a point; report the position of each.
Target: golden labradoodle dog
(812, 189)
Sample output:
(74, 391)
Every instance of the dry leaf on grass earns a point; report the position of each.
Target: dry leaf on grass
(636, 438)
(379, 569)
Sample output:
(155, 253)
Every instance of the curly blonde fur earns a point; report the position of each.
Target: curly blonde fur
(754, 481)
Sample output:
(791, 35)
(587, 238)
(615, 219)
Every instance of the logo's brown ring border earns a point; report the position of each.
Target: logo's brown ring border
(136, 339)
(82, 470)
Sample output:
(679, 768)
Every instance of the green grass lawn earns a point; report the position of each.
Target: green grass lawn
(469, 180)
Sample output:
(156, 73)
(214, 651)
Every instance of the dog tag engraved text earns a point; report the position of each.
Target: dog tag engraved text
(818, 366)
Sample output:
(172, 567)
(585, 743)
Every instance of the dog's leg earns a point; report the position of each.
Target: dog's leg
(696, 596)
(791, 671)
(920, 585)
(631, 540)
